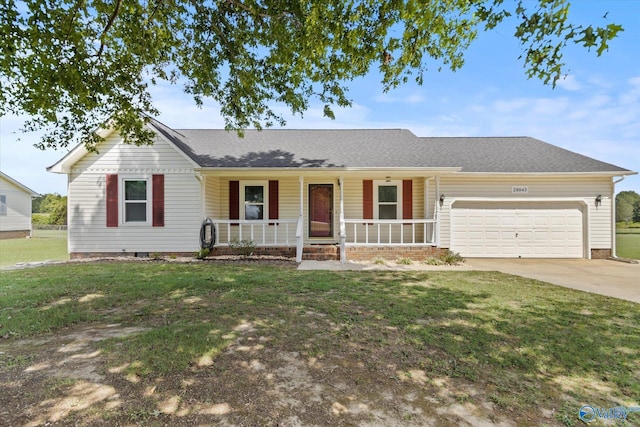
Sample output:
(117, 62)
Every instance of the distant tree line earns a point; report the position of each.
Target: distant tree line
(628, 206)
(49, 209)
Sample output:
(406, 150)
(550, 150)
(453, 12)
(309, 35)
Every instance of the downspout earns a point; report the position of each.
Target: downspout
(613, 216)
(69, 214)
(203, 192)
(437, 212)
(343, 231)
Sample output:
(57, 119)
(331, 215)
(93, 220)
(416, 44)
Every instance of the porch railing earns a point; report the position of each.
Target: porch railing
(381, 232)
(272, 232)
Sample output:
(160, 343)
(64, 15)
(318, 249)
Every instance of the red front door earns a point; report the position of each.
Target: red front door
(320, 210)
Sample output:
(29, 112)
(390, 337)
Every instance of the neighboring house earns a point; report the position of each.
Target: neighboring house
(15, 208)
(341, 194)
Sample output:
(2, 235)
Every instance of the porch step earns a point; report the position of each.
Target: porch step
(321, 253)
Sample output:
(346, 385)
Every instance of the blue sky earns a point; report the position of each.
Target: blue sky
(594, 111)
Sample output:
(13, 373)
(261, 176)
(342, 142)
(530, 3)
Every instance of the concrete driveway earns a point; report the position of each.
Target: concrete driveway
(604, 277)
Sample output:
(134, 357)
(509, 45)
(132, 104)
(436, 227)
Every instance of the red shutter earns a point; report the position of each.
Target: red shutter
(234, 199)
(367, 199)
(112, 200)
(158, 200)
(407, 199)
(273, 199)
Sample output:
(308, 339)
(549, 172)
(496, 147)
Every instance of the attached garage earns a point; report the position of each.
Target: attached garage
(518, 229)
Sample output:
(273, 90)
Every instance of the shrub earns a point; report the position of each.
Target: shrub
(452, 258)
(404, 261)
(434, 261)
(202, 253)
(40, 219)
(242, 247)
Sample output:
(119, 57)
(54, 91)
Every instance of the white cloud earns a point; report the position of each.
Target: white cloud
(569, 83)
(412, 99)
(631, 96)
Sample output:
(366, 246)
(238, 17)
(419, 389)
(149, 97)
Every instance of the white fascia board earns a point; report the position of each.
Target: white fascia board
(546, 174)
(64, 165)
(301, 170)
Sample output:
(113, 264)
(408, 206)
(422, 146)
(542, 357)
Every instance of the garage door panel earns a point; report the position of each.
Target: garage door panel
(537, 230)
(506, 220)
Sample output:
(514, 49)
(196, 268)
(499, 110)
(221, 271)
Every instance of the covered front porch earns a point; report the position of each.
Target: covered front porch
(319, 216)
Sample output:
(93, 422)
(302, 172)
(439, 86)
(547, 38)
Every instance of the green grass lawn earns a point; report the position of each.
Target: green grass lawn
(531, 352)
(628, 242)
(44, 245)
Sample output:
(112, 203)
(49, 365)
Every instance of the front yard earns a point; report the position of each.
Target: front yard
(628, 242)
(161, 343)
(42, 246)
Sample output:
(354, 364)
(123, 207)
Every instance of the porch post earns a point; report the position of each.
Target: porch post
(343, 233)
(300, 226)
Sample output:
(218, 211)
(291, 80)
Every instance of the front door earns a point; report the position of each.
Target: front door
(320, 210)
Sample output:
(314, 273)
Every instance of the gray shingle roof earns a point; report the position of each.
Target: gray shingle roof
(511, 154)
(376, 148)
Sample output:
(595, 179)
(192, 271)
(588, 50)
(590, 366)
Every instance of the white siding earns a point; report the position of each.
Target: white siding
(18, 217)
(87, 205)
(212, 205)
(353, 209)
(113, 155)
(217, 207)
(581, 189)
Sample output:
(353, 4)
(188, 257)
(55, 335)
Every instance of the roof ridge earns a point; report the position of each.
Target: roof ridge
(295, 129)
(480, 137)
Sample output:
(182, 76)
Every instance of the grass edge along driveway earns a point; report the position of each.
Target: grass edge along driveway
(219, 343)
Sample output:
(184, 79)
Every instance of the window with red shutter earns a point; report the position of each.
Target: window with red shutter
(367, 199)
(273, 200)
(407, 199)
(234, 199)
(158, 200)
(112, 200)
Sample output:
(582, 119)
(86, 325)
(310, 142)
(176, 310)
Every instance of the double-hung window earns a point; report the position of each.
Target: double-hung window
(254, 200)
(388, 199)
(3, 205)
(135, 201)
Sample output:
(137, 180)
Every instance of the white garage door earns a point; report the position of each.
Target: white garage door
(513, 230)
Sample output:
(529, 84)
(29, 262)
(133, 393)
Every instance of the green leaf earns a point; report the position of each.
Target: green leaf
(74, 66)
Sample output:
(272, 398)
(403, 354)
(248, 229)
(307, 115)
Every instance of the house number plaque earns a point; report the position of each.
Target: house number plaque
(519, 189)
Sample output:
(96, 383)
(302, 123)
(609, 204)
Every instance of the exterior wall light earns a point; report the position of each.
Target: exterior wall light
(441, 200)
(598, 200)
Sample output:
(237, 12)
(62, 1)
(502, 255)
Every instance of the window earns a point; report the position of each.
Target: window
(388, 199)
(3, 205)
(135, 200)
(254, 196)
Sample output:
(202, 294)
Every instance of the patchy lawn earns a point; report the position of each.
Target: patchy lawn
(155, 343)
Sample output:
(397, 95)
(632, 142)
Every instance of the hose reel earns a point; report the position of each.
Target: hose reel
(207, 234)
